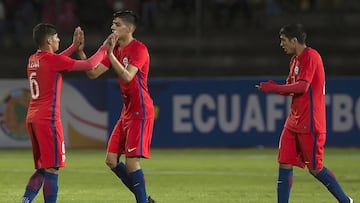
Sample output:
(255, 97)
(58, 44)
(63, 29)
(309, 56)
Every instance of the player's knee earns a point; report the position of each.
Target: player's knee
(133, 164)
(313, 172)
(110, 163)
(54, 170)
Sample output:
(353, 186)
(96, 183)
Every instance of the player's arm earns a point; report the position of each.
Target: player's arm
(94, 60)
(100, 68)
(298, 87)
(78, 39)
(126, 74)
(96, 72)
(69, 50)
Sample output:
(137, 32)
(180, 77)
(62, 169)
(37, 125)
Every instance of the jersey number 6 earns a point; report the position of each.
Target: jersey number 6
(34, 86)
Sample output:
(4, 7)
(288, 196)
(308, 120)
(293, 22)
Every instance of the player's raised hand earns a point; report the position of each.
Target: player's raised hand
(79, 42)
(82, 40)
(110, 42)
(79, 39)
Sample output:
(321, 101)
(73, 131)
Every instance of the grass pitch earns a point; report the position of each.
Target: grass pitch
(182, 176)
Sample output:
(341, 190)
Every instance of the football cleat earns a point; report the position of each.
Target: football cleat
(150, 200)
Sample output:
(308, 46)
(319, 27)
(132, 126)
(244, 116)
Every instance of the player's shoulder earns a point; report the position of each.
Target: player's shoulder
(47, 54)
(310, 54)
(44, 56)
(139, 45)
(309, 51)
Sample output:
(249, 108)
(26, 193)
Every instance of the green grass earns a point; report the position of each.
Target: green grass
(181, 176)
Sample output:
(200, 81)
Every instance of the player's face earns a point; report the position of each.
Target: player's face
(120, 28)
(287, 44)
(54, 42)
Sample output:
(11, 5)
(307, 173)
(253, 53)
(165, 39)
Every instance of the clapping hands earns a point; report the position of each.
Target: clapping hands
(110, 42)
(79, 39)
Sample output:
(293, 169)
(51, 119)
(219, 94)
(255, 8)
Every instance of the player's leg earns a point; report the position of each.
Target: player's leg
(36, 180)
(327, 178)
(312, 147)
(284, 182)
(33, 186)
(287, 158)
(115, 147)
(138, 179)
(52, 157)
(50, 187)
(122, 172)
(138, 146)
(119, 168)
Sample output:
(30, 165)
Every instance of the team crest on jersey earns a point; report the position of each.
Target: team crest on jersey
(13, 109)
(125, 61)
(296, 70)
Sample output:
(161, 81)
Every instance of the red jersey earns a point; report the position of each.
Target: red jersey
(307, 113)
(45, 79)
(138, 103)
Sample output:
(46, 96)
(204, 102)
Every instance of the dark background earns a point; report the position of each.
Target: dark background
(192, 38)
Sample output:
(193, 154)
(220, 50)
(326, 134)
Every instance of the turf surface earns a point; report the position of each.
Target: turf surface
(183, 175)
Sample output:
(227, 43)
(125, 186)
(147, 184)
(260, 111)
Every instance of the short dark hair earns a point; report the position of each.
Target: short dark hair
(41, 31)
(127, 15)
(294, 31)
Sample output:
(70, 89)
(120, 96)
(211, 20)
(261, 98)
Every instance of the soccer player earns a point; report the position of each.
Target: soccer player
(132, 133)
(303, 137)
(43, 122)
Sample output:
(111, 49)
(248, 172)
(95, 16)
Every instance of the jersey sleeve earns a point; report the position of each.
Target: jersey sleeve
(106, 62)
(62, 62)
(288, 79)
(139, 56)
(307, 67)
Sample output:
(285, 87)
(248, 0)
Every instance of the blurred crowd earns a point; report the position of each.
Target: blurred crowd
(17, 17)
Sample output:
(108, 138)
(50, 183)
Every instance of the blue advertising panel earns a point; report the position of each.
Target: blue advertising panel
(233, 113)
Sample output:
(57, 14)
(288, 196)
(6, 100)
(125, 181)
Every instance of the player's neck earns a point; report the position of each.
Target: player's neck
(47, 49)
(300, 49)
(125, 41)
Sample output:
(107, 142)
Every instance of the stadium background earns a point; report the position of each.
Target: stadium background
(206, 54)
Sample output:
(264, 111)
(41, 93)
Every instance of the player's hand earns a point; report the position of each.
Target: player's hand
(110, 42)
(79, 39)
(267, 87)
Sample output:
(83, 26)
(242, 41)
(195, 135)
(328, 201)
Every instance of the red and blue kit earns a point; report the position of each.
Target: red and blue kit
(134, 128)
(307, 110)
(306, 122)
(43, 116)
